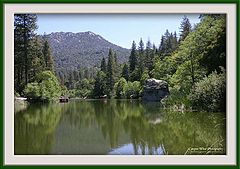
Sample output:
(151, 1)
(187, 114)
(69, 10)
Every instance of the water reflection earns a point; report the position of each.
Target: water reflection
(115, 127)
(131, 149)
(34, 129)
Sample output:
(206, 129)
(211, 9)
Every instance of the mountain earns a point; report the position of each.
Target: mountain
(73, 51)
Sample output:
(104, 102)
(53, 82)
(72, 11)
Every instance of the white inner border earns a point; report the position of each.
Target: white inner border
(11, 159)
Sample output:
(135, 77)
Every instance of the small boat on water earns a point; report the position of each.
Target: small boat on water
(63, 99)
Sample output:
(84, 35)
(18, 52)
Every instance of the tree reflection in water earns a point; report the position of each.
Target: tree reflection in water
(115, 127)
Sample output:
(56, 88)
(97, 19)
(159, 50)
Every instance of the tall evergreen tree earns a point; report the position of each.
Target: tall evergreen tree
(110, 71)
(162, 47)
(141, 56)
(133, 58)
(36, 57)
(174, 42)
(47, 55)
(168, 44)
(116, 68)
(24, 27)
(100, 85)
(115, 58)
(154, 48)
(149, 55)
(103, 65)
(125, 72)
(185, 28)
(141, 46)
(168, 48)
(76, 75)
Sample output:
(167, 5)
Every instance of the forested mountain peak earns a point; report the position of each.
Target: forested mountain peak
(83, 49)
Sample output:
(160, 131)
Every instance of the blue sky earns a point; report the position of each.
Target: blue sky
(120, 29)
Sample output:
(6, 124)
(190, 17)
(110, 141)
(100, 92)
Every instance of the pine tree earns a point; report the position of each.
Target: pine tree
(168, 47)
(149, 55)
(185, 28)
(116, 68)
(76, 75)
(103, 65)
(70, 80)
(100, 85)
(115, 58)
(141, 46)
(24, 27)
(174, 42)
(133, 58)
(154, 48)
(47, 55)
(168, 44)
(141, 56)
(162, 47)
(125, 72)
(36, 57)
(110, 71)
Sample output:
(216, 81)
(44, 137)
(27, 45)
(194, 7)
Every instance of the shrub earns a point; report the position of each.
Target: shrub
(119, 88)
(45, 88)
(132, 89)
(209, 94)
(32, 90)
(83, 88)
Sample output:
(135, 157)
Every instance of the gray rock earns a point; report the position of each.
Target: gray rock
(155, 90)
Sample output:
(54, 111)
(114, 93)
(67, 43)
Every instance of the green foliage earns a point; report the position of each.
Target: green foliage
(64, 91)
(135, 75)
(119, 88)
(24, 54)
(32, 90)
(100, 85)
(84, 88)
(215, 54)
(36, 61)
(141, 56)
(144, 77)
(16, 94)
(125, 72)
(47, 55)
(210, 93)
(177, 100)
(110, 71)
(186, 76)
(163, 69)
(200, 52)
(185, 67)
(168, 44)
(133, 58)
(132, 89)
(72, 93)
(149, 56)
(45, 88)
(185, 28)
(103, 65)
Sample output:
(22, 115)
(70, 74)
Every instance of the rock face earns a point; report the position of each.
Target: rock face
(155, 90)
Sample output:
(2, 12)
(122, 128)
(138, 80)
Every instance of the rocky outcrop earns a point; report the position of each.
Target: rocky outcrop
(155, 90)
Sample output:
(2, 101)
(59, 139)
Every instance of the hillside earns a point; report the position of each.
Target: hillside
(73, 51)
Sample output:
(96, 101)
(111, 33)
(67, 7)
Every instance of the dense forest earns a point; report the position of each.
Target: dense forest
(192, 64)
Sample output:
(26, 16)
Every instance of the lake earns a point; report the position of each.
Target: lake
(116, 127)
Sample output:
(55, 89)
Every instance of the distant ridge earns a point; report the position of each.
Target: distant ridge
(73, 51)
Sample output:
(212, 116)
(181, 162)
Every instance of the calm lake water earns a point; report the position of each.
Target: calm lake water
(116, 127)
